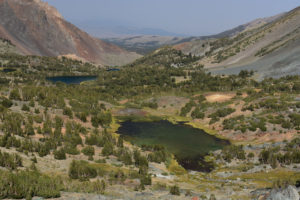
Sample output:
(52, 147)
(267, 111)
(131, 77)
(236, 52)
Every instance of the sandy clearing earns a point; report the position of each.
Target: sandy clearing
(218, 97)
(122, 102)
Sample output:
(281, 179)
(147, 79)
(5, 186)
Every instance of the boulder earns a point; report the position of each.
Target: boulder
(289, 193)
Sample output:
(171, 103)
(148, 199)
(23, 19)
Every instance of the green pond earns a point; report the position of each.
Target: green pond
(188, 144)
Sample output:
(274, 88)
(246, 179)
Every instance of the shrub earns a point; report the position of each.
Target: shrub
(146, 180)
(60, 154)
(15, 95)
(81, 170)
(6, 103)
(174, 190)
(29, 130)
(187, 108)
(197, 114)
(232, 152)
(10, 161)
(152, 105)
(120, 142)
(31, 103)
(108, 149)
(67, 111)
(94, 139)
(125, 156)
(99, 186)
(26, 184)
(88, 151)
(140, 160)
(102, 118)
(71, 149)
(82, 116)
(222, 113)
(25, 108)
(295, 119)
(250, 155)
(286, 124)
(38, 118)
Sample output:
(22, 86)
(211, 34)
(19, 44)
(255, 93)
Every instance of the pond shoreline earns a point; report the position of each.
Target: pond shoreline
(191, 144)
(172, 119)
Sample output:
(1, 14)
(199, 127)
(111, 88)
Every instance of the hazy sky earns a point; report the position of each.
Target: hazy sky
(190, 17)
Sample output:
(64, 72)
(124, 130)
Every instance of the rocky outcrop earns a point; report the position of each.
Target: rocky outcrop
(289, 193)
(36, 28)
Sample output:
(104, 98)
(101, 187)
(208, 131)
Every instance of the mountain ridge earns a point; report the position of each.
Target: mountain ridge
(267, 48)
(40, 30)
(144, 44)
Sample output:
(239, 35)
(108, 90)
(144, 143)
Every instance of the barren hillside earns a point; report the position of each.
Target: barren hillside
(36, 28)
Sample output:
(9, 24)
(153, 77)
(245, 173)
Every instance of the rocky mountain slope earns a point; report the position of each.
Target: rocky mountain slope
(214, 43)
(272, 51)
(270, 47)
(7, 47)
(36, 28)
(200, 45)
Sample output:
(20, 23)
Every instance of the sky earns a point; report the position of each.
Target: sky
(185, 17)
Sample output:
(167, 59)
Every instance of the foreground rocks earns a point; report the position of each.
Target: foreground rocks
(289, 193)
(125, 196)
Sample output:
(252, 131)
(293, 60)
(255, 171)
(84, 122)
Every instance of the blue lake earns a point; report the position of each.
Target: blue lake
(6, 70)
(71, 79)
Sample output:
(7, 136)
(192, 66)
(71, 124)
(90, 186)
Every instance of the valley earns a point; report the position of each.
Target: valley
(214, 117)
(59, 129)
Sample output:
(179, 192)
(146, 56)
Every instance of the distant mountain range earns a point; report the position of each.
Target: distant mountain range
(109, 29)
(35, 28)
(145, 43)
